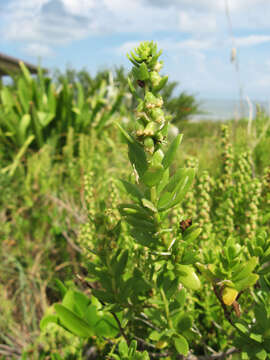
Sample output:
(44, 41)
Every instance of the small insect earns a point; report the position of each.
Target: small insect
(185, 224)
(141, 83)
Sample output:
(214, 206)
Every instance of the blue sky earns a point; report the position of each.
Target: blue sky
(194, 35)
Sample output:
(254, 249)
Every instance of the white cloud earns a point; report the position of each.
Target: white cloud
(127, 47)
(193, 45)
(82, 7)
(189, 44)
(252, 40)
(36, 49)
(193, 34)
(44, 25)
(54, 23)
(196, 23)
(208, 5)
(197, 5)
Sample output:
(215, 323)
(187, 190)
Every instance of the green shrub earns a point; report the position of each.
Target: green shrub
(165, 288)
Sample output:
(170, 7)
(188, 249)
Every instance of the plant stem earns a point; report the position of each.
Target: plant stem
(167, 311)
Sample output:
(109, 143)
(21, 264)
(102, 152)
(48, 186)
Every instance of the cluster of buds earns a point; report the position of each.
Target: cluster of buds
(255, 189)
(86, 237)
(227, 159)
(112, 213)
(89, 195)
(204, 204)
(266, 186)
(177, 215)
(88, 229)
(243, 176)
(190, 200)
(226, 214)
(151, 122)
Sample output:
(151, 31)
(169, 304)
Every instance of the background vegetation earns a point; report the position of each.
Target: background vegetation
(53, 134)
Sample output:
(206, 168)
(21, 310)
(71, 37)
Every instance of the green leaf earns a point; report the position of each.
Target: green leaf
(143, 73)
(181, 345)
(183, 322)
(246, 270)
(242, 328)
(44, 118)
(123, 348)
(149, 205)
(26, 72)
(62, 288)
(132, 190)
(47, 320)
(133, 209)
(206, 272)
(256, 337)
(72, 322)
(131, 87)
(142, 225)
(7, 98)
(91, 315)
(76, 301)
(122, 262)
(161, 84)
(176, 189)
(177, 179)
(164, 181)
(181, 297)
(103, 296)
(12, 168)
(171, 152)
(153, 175)
(191, 233)
(144, 238)
(24, 124)
(23, 93)
(261, 354)
(188, 277)
(132, 348)
(243, 284)
(183, 187)
(136, 152)
(106, 326)
(165, 199)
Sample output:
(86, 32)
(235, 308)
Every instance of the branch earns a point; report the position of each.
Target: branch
(217, 356)
(227, 314)
(70, 242)
(68, 207)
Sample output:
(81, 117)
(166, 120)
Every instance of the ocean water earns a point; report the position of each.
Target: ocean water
(225, 109)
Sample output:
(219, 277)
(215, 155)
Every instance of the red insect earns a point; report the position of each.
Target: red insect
(185, 224)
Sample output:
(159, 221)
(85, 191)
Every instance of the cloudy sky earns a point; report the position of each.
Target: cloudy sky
(195, 35)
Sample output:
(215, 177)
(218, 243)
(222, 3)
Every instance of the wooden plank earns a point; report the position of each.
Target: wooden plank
(9, 64)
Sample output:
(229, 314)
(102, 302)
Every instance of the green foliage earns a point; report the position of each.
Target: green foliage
(124, 286)
(36, 111)
(149, 255)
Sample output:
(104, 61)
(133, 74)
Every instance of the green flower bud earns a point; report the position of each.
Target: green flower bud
(149, 144)
(155, 78)
(151, 128)
(158, 66)
(157, 115)
(152, 101)
(139, 127)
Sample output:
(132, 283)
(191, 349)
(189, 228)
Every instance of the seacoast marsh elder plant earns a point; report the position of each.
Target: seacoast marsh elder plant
(156, 287)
